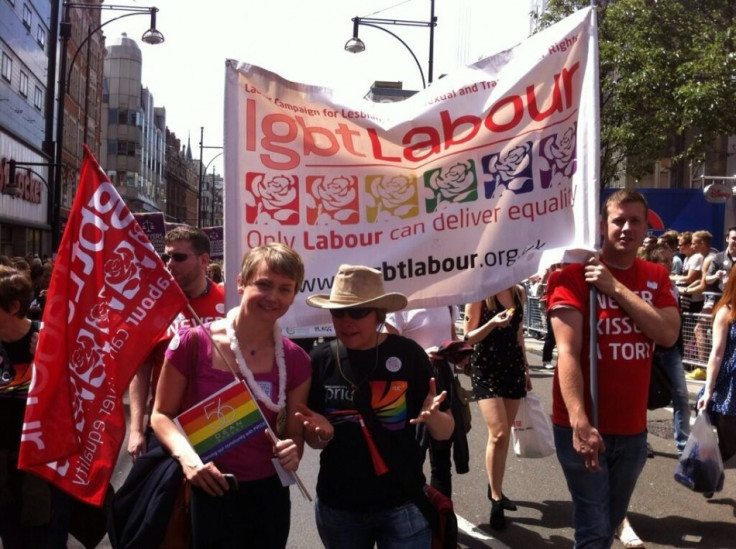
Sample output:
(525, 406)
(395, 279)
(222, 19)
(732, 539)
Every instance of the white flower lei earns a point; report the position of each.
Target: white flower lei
(248, 375)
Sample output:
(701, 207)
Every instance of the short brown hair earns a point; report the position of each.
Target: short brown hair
(703, 236)
(624, 196)
(196, 237)
(280, 258)
(15, 286)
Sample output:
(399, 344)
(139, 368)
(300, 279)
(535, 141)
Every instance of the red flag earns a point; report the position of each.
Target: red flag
(109, 300)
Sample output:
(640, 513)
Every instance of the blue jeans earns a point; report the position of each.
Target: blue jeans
(399, 528)
(672, 363)
(600, 499)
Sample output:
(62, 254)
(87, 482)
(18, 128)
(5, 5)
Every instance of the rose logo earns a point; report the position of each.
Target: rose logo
(511, 169)
(392, 197)
(453, 185)
(557, 157)
(98, 316)
(332, 200)
(273, 199)
(122, 272)
(88, 360)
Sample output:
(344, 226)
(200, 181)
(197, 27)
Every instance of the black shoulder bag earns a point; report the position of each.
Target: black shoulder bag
(433, 504)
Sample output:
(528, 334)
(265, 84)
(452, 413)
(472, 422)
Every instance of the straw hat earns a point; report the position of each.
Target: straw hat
(358, 286)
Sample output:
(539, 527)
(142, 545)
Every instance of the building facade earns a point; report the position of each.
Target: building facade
(24, 202)
(133, 130)
(182, 182)
(85, 51)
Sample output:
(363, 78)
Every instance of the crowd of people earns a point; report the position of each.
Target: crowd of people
(377, 398)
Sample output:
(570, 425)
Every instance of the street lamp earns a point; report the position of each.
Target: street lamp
(201, 213)
(151, 36)
(356, 45)
(12, 188)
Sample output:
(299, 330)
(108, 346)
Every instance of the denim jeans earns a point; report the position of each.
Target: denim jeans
(672, 363)
(549, 342)
(600, 499)
(399, 528)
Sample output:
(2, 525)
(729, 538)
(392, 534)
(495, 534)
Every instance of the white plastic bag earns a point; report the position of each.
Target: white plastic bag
(532, 429)
(700, 467)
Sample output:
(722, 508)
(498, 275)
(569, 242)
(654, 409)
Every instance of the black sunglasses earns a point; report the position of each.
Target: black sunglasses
(179, 257)
(356, 313)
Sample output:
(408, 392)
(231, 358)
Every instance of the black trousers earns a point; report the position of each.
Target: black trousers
(257, 515)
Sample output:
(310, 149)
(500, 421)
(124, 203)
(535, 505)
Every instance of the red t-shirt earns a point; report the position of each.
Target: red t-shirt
(624, 352)
(208, 307)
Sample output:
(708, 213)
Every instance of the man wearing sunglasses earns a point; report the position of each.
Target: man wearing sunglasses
(186, 256)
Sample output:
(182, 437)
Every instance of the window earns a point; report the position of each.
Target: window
(41, 36)
(38, 98)
(7, 67)
(23, 86)
(26, 16)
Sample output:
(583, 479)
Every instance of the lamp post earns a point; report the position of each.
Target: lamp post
(356, 45)
(151, 36)
(201, 213)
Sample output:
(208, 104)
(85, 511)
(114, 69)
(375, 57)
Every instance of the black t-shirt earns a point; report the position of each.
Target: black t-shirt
(13, 403)
(721, 261)
(398, 373)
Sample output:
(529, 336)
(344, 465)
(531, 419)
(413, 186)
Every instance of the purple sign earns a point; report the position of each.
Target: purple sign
(215, 234)
(153, 225)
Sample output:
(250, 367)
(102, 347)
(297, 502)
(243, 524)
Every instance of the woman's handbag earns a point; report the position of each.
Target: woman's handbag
(701, 467)
(151, 508)
(532, 429)
(660, 388)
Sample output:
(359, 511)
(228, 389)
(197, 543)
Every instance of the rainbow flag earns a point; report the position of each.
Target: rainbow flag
(222, 420)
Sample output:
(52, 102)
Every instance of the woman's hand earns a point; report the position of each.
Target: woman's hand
(431, 405)
(315, 424)
(502, 319)
(207, 477)
(704, 401)
(528, 379)
(287, 453)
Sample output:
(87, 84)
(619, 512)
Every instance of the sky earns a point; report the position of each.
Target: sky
(303, 41)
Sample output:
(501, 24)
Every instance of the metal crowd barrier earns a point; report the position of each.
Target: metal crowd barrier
(697, 335)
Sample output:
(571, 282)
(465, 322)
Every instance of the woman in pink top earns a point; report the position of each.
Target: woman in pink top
(248, 341)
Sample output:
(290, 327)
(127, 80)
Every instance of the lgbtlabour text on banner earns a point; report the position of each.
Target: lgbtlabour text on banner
(454, 193)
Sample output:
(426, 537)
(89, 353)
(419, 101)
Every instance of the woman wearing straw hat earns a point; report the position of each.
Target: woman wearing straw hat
(369, 391)
(247, 344)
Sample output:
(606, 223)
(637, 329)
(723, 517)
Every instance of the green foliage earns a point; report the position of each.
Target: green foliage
(668, 79)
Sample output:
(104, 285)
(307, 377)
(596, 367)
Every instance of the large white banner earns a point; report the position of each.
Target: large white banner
(453, 193)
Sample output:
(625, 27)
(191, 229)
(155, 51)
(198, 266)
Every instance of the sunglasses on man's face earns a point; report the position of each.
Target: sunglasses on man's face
(356, 313)
(179, 257)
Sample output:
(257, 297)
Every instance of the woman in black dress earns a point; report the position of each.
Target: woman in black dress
(500, 377)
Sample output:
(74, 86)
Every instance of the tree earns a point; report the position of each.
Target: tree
(667, 81)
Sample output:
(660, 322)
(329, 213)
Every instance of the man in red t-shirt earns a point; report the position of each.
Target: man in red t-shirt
(187, 255)
(635, 309)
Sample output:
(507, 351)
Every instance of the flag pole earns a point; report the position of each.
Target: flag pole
(271, 434)
(592, 326)
(593, 340)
